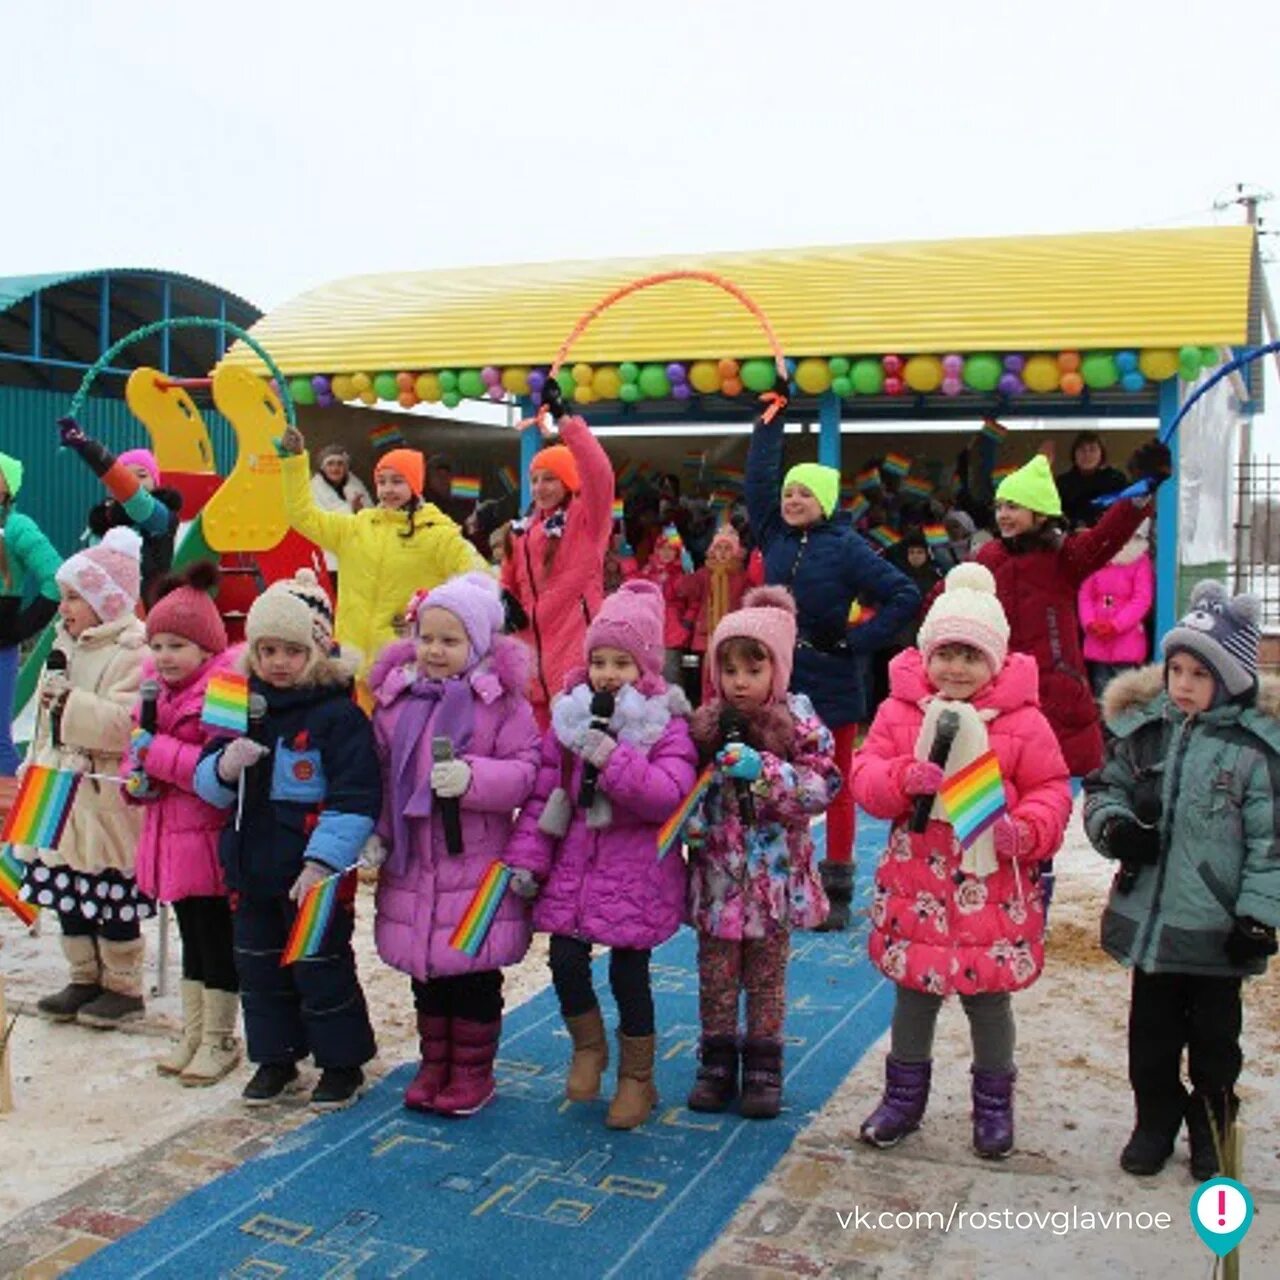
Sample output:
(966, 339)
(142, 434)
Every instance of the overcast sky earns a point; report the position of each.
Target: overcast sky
(272, 146)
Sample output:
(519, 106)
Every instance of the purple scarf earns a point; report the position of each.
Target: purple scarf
(434, 709)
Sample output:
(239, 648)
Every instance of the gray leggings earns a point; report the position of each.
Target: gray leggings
(990, 1025)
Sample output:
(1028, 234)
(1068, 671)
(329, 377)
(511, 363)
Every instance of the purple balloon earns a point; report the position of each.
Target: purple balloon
(681, 391)
(676, 373)
(1010, 385)
(320, 385)
(537, 380)
(496, 392)
(953, 366)
(324, 399)
(1014, 364)
(490, 375)
(952, 386)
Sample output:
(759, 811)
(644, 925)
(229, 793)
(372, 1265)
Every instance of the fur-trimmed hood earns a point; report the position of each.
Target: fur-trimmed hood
(504, 670)
(638, 717)
(1141, 689)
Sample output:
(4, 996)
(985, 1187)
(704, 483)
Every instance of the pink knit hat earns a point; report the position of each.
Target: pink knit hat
(142, 458)
(768, 614)
(184, 607)
(631, 620)
(109, 576)
(967, 612)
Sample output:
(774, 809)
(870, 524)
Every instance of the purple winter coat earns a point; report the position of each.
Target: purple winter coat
(608, 885)
(418, 911)
(178, 848)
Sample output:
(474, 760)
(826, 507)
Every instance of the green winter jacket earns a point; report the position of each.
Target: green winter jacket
(27, 568)
(1217, 776)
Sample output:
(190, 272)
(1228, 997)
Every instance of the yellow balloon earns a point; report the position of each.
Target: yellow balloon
(1041, 374)
(813, 376)
(1158, 364)
(582, 393)
(427, 387)
(581, 374)
(361, 382)
(606, 382)
(516, 381)
(704, 377)
(341, 387)
(923, 374)
(368, 396)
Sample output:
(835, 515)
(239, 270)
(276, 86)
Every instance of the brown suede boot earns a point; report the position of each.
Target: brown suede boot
(178, 1059)
(85, 985)
(637, 1095)
(121, 998)
(590, 1056)
(219, 1051)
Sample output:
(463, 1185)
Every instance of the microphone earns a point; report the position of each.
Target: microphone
(943, 736)
(56, 661)
(450, 810)
(601, 713)
(257, 714)
(149, 692)
(733, 727)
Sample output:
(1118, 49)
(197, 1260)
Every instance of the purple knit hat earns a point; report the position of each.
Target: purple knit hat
(474, 599)
(141, 458)
(631, 620)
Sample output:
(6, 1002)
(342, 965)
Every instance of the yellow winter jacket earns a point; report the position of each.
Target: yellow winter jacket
(378, 567)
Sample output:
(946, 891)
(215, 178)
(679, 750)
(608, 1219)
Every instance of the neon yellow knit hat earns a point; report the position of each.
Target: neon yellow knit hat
(1032, 487)
(11, 469)
(822, 482)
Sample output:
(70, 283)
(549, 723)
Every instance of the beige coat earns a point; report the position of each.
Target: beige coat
(105, 669)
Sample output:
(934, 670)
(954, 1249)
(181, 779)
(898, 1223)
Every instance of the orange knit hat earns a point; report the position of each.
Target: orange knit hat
(560, 462)
(407, 462)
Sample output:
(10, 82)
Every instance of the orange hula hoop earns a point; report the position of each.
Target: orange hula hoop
(775, 402)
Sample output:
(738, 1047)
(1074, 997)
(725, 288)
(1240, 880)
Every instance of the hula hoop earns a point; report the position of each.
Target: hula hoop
(184, 322)
(646, 282)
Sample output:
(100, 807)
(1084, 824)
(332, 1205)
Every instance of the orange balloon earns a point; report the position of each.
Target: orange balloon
(404, 381)
(1072, 384)
(731, 386)
(407, 399)
(1068, 362)
(728, 369)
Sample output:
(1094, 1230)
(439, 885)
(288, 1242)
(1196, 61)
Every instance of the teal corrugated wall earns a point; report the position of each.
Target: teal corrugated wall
(57, 488)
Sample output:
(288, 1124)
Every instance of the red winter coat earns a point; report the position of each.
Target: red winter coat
(677, 617)
(1038, 590)
(935, 929)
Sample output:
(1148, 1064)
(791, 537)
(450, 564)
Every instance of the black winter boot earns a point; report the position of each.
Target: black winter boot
(1223, 1107)
(837, 881)
(717, 1082)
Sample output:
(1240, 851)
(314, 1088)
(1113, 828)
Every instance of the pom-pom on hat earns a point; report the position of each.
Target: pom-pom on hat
(822, 482)
(967, 612)
(1033, 487)
(295, 610)
(768, 614)
(561, 463)
(143, 458)
(474, 599)
(631, 620)
(408, 463)
(109, 576)
(1222, 632)
(184, 607)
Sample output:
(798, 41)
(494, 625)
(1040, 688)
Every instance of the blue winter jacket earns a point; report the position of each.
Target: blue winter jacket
(827, 567)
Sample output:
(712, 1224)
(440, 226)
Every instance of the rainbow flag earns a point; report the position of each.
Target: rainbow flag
(473, 928)
(619, 509)
(226, 703)
(916, 487)
(723, 498)
(312, 921)
(695, 459)
(993, 430)
(868, 479)
(386, 436)
(731, 475)
(509, 478)
(936, 535)
(669, 832)
(11, 873)
(857, 508)
(885, 536)
(466, 487)
(1001, 473)
(41, 807)
(628, 475)
(974, 798)
(896, 464)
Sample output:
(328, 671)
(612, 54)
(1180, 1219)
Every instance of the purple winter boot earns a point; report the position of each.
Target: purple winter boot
(906, 1094)
(993, 1113)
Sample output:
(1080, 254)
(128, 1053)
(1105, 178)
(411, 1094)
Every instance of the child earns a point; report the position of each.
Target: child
(604, 882)
(947, 920)
(83, 727)
(28, 569)
(665, 568)
(305, 815)
(1187, 804)
(752, 878)
(459, 679)
(1114, 603)
(178, 850)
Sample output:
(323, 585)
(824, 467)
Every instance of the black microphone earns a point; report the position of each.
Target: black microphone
(601, 714)
(1146, 809)
(149, 692)
(943, 736)
(257, 714)
(450, 810)
(56, 661)
(733, 728)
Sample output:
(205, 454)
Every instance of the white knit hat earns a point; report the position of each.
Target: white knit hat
(108, 576)
(296, 610)
(968, 612)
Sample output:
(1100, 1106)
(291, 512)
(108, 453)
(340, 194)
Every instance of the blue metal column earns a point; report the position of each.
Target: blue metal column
(104, 315)
(530, 443)
(166, 334)
(1166, 521)
(829, 429)
(221, 338)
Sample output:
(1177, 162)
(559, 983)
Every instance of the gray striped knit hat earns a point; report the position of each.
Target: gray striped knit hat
(1222, 632)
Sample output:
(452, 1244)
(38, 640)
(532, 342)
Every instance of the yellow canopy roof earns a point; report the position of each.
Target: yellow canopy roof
(1030, 293)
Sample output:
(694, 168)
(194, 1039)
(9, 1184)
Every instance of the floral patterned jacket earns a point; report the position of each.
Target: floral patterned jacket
(751, 881)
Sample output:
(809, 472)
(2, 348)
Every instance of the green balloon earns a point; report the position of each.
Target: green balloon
(450, 399)
(758, 375)
(867, 377)
(471, 384)
(842, 386)
(1098, 369)
(1209, 357)
(838, 365)
(448, 381)
(386, 387)
(654, 382)
(628, 371)
(628, 392)
(982, 372)
(302, 391)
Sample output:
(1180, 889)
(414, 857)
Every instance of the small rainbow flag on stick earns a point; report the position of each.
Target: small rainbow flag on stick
(994, 430)
(226, 703)
(885, 536)
(868, 479)
(312, 921)
(731, 475)
(618, 508)
(11, 873)
(857, 508)
(669, 833)
(896, 464)
(510, 478)
(1001, 473)
(916, 487)
(974, 798)
(473, 928)
(466, 487)
(41, 807)
(936, 535)
(386, 436)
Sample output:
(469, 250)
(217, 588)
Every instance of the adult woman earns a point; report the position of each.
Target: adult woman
(1088, 478)
(335, 487)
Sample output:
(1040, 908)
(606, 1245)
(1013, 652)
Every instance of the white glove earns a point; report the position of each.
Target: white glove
(310, 876)
(374, 853)
(523, 884)
(54, 688)
(597, 747)
(238, 755)
(450, 778)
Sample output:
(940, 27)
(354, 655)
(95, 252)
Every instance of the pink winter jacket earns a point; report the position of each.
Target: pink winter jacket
(178, 848)
(1122, 595)
(418, 911)
(935, 929)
